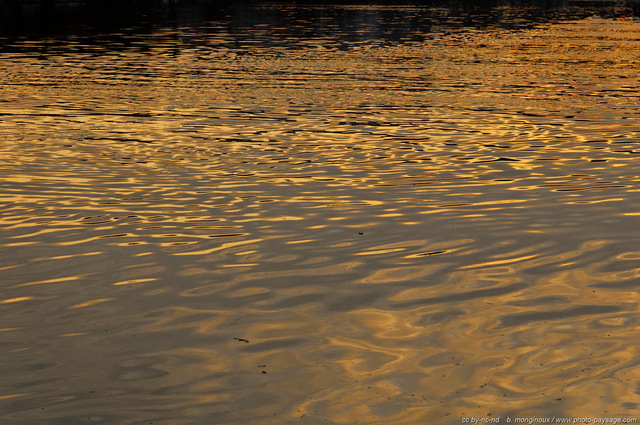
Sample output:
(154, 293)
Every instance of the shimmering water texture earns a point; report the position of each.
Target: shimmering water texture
(205, 226)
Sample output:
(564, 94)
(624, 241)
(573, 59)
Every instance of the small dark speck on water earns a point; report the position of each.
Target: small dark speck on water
(242, 340)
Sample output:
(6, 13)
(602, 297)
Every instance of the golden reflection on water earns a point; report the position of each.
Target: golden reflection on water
(408, 233)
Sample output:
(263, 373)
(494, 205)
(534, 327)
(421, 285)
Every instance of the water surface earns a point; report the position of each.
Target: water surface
(302, 221)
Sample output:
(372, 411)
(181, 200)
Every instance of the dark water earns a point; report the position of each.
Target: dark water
(314, 214)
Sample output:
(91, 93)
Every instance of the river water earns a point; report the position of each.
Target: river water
(331, 214)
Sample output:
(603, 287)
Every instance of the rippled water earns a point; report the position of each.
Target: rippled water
(279, 225)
